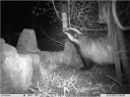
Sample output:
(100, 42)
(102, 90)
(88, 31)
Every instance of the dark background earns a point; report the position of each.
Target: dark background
(14, 17)
(17, 15)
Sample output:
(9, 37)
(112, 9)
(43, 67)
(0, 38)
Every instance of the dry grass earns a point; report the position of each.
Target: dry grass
(54, 84)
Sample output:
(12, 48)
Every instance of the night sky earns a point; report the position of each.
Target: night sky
(14, 15)
(17, 15)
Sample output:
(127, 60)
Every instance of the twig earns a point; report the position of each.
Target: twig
(117, 81)
(33, 90)
(56, 10)
(51, 38)
(69, 12)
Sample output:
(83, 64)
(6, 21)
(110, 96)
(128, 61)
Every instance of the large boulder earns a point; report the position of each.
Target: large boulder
(16, 70)
(27, 41)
